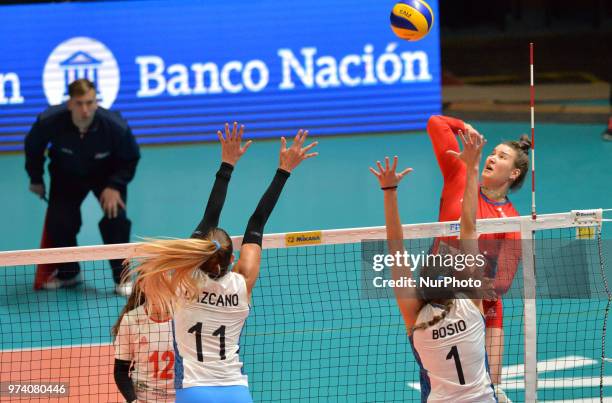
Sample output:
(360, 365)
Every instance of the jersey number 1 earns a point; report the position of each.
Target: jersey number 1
(454, 353)
(197, 331)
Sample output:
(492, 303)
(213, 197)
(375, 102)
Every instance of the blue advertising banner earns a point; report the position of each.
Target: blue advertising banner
(177, 70)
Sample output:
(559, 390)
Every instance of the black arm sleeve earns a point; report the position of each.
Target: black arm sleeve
(123, 381)
(35, 145)
(126, 160)
(215, 200)
(255, 227)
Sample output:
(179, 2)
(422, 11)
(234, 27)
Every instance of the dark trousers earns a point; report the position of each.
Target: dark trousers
(64, 221)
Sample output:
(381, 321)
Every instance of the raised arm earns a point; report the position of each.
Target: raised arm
(442, 131)
(250, 251)
(389, 180)
(231, 151)
(407, 298)
(472, 143)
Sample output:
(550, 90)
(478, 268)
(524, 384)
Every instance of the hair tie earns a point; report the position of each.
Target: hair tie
(217, 244)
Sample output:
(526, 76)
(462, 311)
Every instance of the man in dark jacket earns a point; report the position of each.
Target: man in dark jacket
(92, 149)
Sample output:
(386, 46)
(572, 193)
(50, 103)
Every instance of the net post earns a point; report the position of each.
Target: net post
(529, 311)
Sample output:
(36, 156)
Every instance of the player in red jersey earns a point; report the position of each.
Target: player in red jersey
(505, 169)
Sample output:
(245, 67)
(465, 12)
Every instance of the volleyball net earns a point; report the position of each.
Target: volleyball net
(320, 328)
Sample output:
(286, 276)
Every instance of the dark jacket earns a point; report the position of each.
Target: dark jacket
(107, 153)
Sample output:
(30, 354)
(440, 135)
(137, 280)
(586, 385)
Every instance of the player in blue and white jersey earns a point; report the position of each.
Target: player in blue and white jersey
(193, 279)
(446, 328)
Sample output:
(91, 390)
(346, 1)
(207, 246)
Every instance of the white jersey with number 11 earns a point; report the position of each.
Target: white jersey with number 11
(207, 335)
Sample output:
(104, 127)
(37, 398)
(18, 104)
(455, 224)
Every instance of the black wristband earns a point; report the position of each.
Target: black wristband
(225, 170)
(283, 173)
(255, 226)
(216, 201)
(389, 187)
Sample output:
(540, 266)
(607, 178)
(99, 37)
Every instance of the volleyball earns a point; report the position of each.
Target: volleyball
(411, 20)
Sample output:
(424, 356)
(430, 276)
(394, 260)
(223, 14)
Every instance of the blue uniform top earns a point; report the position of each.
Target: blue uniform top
(107, 152)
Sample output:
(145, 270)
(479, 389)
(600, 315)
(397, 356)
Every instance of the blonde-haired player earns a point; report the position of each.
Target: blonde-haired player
(193, 280)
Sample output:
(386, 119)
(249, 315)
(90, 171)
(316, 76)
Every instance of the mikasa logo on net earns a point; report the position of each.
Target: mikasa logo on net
(81, 57)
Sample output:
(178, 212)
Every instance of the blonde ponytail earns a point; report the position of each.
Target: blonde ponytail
(171, 271)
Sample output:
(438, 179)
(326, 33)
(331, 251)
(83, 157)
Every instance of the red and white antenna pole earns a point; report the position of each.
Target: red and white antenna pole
(532, 104)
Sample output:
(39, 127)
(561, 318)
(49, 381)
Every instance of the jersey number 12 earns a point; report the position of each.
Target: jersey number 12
(168, 358)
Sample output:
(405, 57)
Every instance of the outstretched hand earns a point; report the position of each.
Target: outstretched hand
(291, 157)
(231, 144)
(387, 177)
(472, 142)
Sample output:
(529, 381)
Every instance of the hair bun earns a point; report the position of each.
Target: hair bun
(524, 143)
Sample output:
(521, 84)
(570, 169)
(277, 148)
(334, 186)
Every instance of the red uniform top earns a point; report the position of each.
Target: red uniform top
(442, 131)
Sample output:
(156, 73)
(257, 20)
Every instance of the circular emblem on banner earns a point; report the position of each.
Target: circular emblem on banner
(81, 57)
